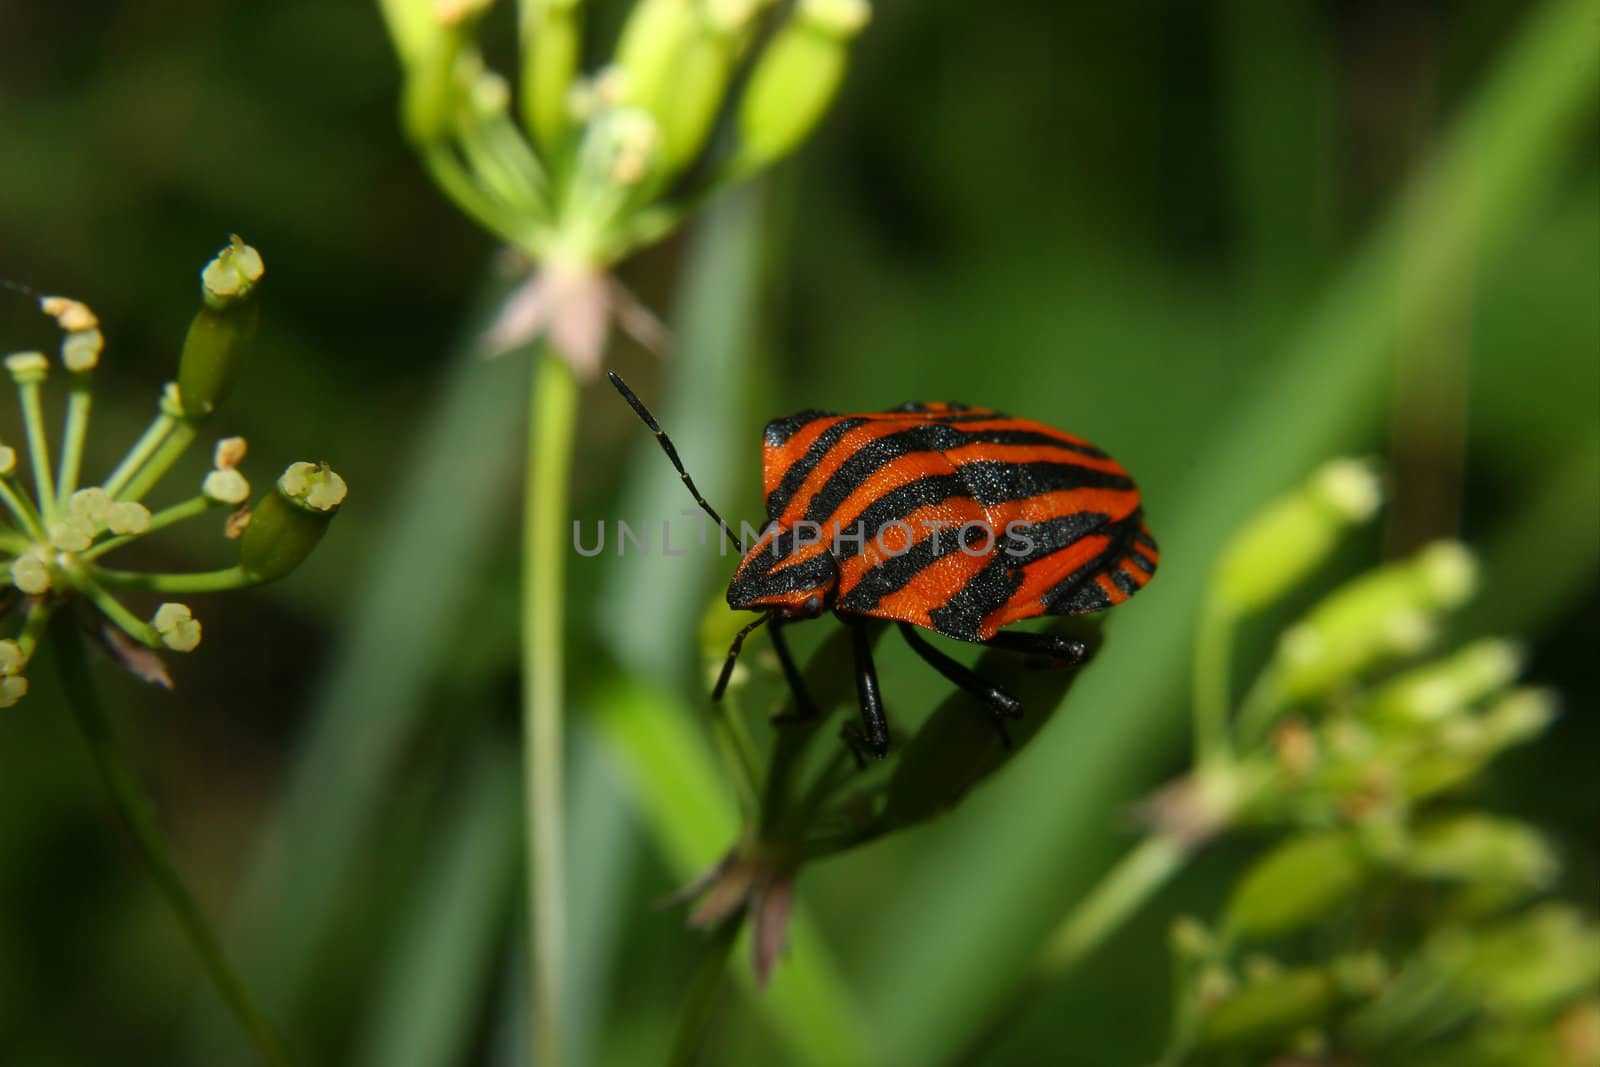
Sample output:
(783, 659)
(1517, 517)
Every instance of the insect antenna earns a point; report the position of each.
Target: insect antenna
(733, 656)
(672, 453)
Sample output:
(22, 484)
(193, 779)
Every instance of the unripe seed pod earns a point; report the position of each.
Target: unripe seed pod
(795, 80)
(1390, 611)
(551, 45)
(289, 521)
(222, 330)
(652, 43)
(1296, 883)
(1281, 544)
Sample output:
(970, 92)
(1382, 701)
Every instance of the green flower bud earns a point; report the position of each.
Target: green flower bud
(433, 90)
(1387, 612)
(128, 517)
(27, 368)
(30, 572)
(92, 504)
(1279, 546)
(1271, 1010)
(72, 535)
(1297, 883)
(221, 331)
(796, 79)
(287, 524)
(1525, 966)
(1481, 848)
(1519, 716)
(226, 486)
(179, 629)
(699, 81)
(8, 460)
(11, 658)
(653, 40)
(1448, 686)
(1465, 744)
(80, 350)
(551, 47)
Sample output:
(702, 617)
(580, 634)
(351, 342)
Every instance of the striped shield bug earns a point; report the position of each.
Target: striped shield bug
(934, 516)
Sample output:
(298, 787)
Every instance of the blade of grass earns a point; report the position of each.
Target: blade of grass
(427, 1000)
(994, 896)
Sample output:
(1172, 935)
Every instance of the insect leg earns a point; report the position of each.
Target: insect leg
(804, 707)
(1043, 650)
(872, 733)
(1001, 705)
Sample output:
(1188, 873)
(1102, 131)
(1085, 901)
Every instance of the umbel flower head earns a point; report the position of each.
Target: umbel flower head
(699, 95)
(55, 532)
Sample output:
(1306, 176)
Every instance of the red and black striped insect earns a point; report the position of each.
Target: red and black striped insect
(943, 517)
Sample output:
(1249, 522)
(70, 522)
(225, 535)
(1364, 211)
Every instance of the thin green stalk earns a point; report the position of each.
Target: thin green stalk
(216, 581)
(1261, 705)
(1120, 893)
(188, 509)
(134, 808)
(701, 1002)
(495, 173)
(1123, 890)
(141, 631)
(552, 413)
(458, 184)
(141, 451)
(39, 450)
(21, 509)
(79, 402)
(165, 456)
(1213, 655)
(738, 751)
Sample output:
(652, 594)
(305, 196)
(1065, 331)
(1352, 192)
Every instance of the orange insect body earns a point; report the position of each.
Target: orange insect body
(954, 519)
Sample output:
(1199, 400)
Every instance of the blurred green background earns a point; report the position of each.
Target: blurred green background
(1170, 227)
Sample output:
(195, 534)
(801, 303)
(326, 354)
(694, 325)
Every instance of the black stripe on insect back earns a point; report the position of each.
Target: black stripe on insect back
(879, 453)
(779, 431)
(989, 589)
(1078, 593)
(796, 475)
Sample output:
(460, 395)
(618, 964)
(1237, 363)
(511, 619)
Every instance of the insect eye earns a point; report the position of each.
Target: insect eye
(812, 606)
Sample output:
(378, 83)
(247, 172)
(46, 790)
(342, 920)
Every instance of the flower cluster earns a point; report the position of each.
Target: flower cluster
(1391, 921)
(605, 164)
(56, 532)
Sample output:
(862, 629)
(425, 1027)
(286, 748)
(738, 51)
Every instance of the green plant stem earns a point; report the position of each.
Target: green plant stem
(1118, 895)
(1213, 656)
(1123, 890)
(21, 509)
(183, 432)
(701, 1001)
(79, 402)
(738, 751)
(462, 189)
(38, 450)
(1262, 705)
(217, 581)
(552, 413)
(134, 808)
(141, 451)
